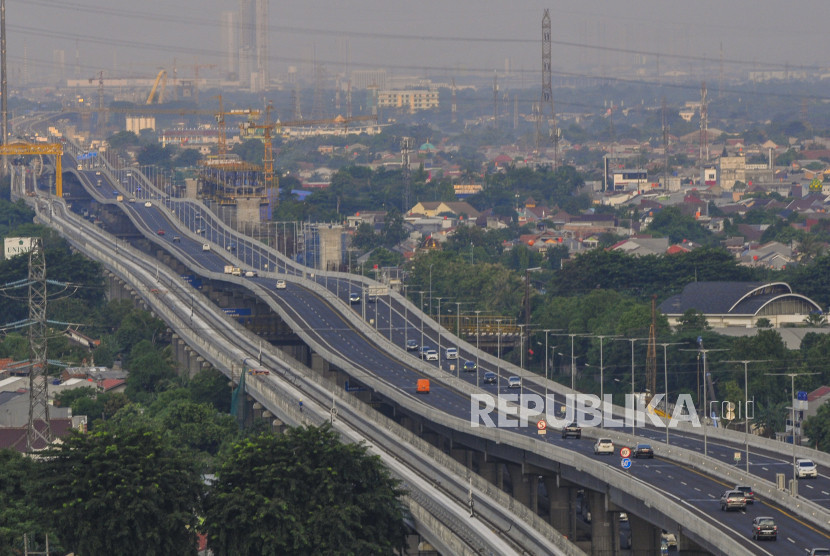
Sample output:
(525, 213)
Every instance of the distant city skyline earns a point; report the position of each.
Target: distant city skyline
(440, 39)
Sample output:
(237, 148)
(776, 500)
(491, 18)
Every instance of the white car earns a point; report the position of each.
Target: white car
(451, 353)
(431, 355)
(604, 446)
(148, 204)
(514, 382)
(805, 469)
(205, 247)
(281, 285)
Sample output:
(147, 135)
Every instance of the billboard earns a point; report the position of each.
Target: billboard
(13, 246)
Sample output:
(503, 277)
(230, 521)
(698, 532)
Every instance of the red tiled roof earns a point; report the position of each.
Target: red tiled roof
(109, 383)
(819, 392)
(15, 437)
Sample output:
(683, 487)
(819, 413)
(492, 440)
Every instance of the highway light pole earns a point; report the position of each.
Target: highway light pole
(792, 401)
(430, 288)
(498, 355)
(746, 404)
(666, 384)
(547, 357)
(478, 371)
(439, 331)
(602, 380)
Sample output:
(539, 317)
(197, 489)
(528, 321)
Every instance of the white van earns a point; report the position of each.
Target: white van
(205, 247)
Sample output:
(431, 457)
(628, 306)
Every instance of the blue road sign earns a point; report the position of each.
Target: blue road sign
(625, 462)
(802, 396)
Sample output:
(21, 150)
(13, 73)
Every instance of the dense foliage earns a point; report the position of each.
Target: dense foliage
(302, 493)
(108, 493)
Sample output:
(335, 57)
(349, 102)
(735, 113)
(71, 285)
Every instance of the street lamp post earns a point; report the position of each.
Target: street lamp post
(430, 288)
(498, 354)
(439, 331)
(547, 356)
(477, 312)
(792, 390)
(633, 394)
(602, 379)
(666, 384)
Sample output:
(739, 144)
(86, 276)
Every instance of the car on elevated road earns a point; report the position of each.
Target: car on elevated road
(572, 431)
(764, 527)
(643, 451)
(411, 345)
(280, 285)
(490, 378)
(748, 493)
(470, 366)
(604, 446)
(354, 297)
(732, 500)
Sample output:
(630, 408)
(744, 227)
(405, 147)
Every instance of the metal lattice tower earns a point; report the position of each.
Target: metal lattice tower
(547, 88)
(39, 398)
(406, 149)
(704, 129)
(453, 107)
(651, 354)
(665, 147)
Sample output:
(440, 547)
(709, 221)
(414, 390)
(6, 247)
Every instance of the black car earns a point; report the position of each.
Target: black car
(572, 430)
(643, 451)
(764, 527)
(490, 377)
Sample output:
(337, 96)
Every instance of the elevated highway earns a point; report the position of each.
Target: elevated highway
(666, 494)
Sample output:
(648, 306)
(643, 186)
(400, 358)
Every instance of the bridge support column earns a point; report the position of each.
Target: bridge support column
(645, 537)
(462, 456)
(318, 364)
(489, 470)
(562, 510)
(533, 485)
(520, 483)
(603, 542)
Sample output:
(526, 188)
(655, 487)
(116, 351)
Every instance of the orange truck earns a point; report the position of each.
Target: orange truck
(423, 386)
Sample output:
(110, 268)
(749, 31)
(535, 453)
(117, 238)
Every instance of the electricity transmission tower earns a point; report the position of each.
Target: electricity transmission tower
(547, 89)
(39, 398)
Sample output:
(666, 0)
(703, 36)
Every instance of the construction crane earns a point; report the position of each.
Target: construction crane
(268, 155)
(54, 149)
(160, 78)
(220, 120)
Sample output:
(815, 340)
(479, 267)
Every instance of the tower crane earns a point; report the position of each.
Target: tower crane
(268, 155)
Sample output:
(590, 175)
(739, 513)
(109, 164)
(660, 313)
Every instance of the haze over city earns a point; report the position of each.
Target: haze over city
(435, 38)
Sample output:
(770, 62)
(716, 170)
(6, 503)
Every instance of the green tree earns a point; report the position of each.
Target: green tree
(671, 223)
(302, 493)
(150, 372)
(122, 139)
(817, 428)
(19, 513)
(692, 320)
(108, 493)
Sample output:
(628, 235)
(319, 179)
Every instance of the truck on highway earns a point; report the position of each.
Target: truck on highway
(236, 271)
(120, 198)
(229, 269)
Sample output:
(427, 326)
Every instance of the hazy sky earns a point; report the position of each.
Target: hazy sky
(446, 37)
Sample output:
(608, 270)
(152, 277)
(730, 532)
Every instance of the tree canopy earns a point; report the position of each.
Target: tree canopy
(302, 493)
